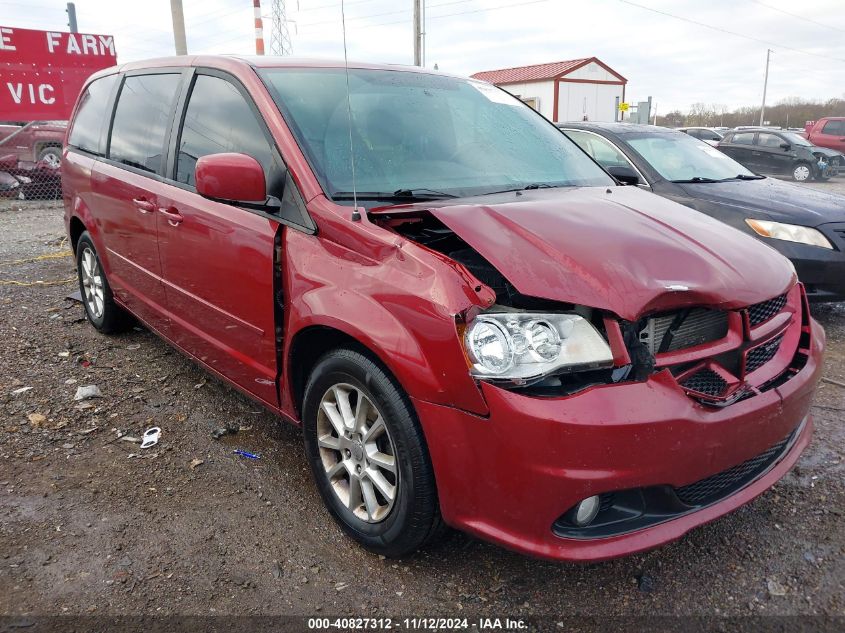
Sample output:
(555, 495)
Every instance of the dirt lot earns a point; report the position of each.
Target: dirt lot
(90, 526)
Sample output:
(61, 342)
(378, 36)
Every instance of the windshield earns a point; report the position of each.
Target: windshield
(796, 139)
(411, 132)
(681, 158)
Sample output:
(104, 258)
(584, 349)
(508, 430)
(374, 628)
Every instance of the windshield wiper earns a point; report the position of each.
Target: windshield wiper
(745, 177)
(529, 187)
(696, 179)
(404, 195)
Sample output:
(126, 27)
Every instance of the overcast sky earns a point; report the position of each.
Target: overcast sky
(673, 60)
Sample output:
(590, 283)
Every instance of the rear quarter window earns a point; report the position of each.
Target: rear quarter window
(87, 125)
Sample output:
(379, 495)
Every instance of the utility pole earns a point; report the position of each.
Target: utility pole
(765, 86)
(417, 33)
(71, 17)
(178, 27)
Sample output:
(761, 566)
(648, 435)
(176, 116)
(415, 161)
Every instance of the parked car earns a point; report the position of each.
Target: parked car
(706, 134)
(805, 225)
(774, 152)
(472, 322)
(827, 132)
(33, 142)
(33, 180)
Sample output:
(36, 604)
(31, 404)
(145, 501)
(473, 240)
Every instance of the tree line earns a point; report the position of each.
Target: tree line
(791, 112)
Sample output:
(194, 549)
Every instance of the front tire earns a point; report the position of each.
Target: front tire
(802, 172)
(97, 298)
(368, 455)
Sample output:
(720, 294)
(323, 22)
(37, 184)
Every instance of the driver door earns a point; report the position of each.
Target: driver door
(218, 258)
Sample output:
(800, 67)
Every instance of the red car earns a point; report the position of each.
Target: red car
(473, 323)
(827, 132)
(34, 142)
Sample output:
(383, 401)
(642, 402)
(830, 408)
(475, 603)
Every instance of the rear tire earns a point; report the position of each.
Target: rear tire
(52, 156)
(97, 298)
(389, 513)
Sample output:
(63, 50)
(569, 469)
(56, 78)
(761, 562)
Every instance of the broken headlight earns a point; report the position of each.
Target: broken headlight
(523, 347)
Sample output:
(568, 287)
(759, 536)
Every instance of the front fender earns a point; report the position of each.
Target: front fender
(395, 309)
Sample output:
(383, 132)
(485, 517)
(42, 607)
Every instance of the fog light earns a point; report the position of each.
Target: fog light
(584, 513)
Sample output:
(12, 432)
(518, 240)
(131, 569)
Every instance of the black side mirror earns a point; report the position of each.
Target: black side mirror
(625, 175)
(785, 146)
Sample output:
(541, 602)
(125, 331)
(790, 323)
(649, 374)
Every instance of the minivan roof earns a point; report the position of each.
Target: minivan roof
(234, 62)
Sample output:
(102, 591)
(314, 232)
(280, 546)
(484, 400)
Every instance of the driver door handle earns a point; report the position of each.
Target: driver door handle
(174, 218)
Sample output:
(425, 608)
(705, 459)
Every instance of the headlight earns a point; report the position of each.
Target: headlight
(789, 232)
(521, 346)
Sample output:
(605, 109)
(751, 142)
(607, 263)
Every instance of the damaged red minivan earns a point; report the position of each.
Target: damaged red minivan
(473, 322)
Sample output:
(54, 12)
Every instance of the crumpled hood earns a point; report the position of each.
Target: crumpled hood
(780, 201)
(620, 249)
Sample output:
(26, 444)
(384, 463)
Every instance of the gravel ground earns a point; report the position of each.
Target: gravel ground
(90, 526)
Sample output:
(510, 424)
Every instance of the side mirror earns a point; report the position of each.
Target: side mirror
(625, 175)
(785, 146)
(231, 177)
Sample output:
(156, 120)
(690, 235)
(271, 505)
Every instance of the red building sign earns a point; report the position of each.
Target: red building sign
(41, 72)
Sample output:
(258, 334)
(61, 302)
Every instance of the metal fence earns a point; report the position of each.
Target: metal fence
(30, 160)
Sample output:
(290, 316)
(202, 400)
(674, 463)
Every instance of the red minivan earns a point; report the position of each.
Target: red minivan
(474, 324)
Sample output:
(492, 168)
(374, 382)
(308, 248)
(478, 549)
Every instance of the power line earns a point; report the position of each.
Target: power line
(721, 30)
(797, 16)
(433, 17)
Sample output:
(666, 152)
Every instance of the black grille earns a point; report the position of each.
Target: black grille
(765, 310)
(727, 481)
(706, 381)
(698, 326)
(762, 354)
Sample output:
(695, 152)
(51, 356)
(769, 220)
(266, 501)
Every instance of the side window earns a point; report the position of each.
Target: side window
(694, 133)
(143, 112)
(769, 140)
(836, 128)
(707, 135)
(219, 119)
(743, 138)
(90, 115)
(602, 150)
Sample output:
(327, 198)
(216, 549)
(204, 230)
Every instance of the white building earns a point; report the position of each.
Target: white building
(575, 90)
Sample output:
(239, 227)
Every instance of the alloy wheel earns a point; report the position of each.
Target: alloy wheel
(357, 453)
(92, 283)
(52, 159)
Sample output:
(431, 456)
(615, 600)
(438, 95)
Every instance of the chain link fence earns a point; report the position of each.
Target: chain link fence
(31, 160)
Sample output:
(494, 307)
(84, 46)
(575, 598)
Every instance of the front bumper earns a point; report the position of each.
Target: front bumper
(507, 478)
(821, 270)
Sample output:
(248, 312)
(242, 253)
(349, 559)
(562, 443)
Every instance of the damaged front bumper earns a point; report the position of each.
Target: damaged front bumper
(511, 477)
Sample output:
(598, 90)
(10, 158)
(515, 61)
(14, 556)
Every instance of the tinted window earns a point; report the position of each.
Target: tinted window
(695, 133)
(836, 128)
(743, 138)
(769, 140)
(90, 115)
(708, 135)
(144, 109)
(219, 119)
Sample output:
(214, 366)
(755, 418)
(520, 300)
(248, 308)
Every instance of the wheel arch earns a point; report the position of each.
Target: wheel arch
(306, 348)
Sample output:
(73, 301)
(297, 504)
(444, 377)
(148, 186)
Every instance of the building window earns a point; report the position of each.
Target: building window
(532, 102)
